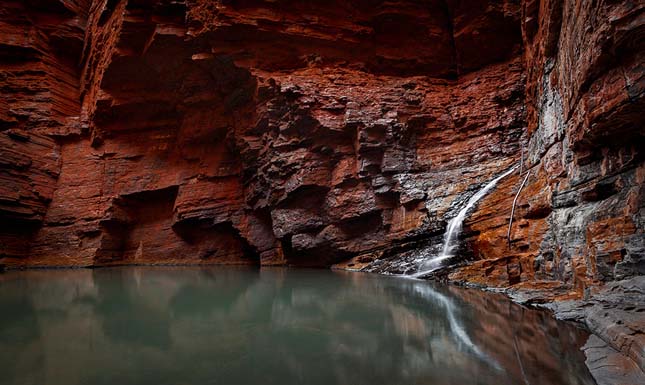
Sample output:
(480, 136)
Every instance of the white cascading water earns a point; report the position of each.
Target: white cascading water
(454, 228)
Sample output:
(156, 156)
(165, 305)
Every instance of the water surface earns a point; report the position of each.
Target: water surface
(199, 326)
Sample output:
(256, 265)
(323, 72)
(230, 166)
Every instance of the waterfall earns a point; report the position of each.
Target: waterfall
(454, 228)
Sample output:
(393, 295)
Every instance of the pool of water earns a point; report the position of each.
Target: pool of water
(197, 326)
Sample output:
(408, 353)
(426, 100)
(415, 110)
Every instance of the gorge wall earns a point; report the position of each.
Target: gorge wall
(319, 133)
(580, 217)
(249, 132)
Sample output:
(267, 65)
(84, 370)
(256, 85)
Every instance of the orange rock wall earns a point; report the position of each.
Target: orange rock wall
(311, 133)
(579, 219)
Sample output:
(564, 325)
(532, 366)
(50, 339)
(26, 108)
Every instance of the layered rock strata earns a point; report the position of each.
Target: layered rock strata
(253, 132)
(578, 232)
(579, 219)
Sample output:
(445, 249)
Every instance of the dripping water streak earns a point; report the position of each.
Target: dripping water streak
(454, 228)
(510, 222)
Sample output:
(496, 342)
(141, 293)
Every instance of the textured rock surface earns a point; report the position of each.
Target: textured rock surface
(615, 316)
(579, 220)
(251, 132)
(608, 366)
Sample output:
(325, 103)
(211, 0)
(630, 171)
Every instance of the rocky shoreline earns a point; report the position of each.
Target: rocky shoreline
(615, 317)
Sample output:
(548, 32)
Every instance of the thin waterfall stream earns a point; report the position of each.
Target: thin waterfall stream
(454, 228)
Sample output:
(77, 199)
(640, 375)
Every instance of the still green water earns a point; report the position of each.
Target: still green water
(198, 326)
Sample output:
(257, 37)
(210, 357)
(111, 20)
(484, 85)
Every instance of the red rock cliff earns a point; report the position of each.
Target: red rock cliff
(579, 219)
(312, 133)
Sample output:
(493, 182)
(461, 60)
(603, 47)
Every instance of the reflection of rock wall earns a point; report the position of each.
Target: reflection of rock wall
(175, 325)
(510, 332)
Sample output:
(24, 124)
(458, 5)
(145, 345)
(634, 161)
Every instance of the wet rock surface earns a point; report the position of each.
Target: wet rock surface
(579, 219)
(615, 316)
(609, 366)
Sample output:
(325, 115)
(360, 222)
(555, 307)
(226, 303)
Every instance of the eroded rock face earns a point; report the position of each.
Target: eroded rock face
(251, 132)
(310, 133)
(579, 219)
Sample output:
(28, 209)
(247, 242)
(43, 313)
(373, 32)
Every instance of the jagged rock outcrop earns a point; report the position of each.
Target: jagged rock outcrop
(579, 232)
(261, 132)
(579, 220)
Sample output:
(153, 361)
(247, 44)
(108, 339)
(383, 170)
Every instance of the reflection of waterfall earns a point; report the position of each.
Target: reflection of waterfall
(246, 326)
(454, 228)
(458, 330)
